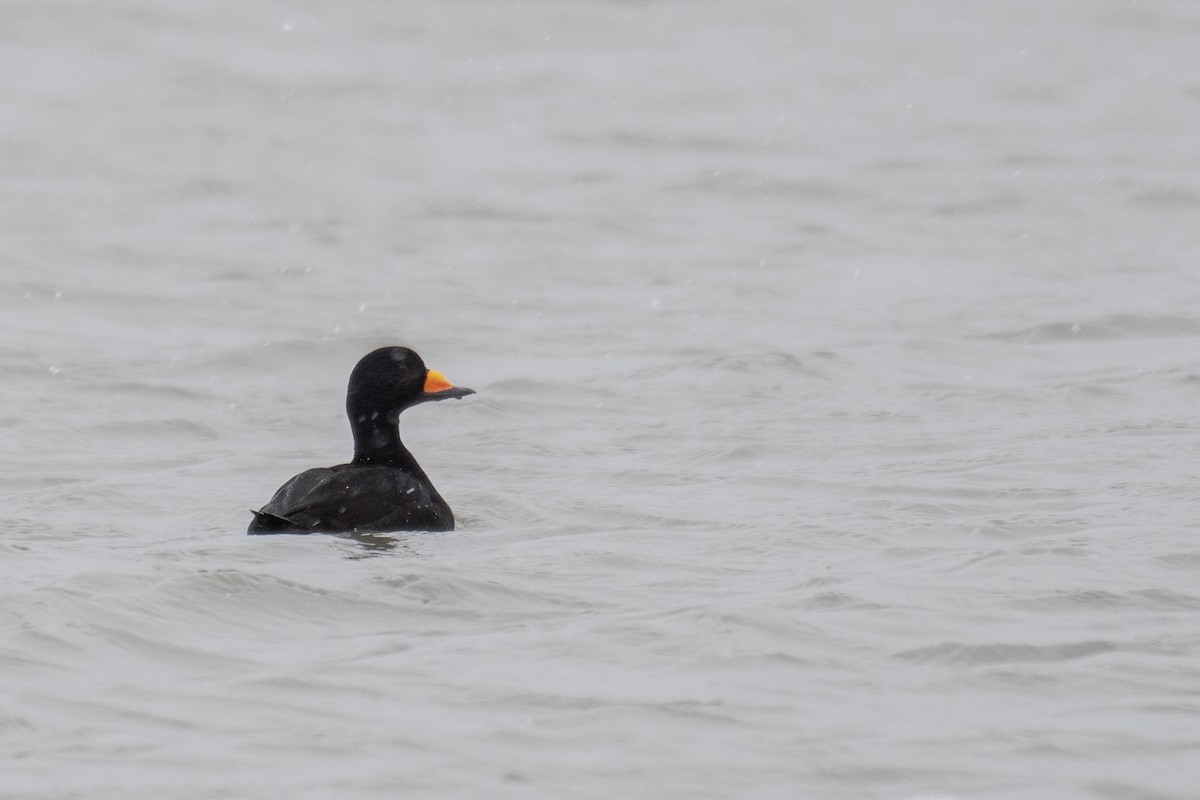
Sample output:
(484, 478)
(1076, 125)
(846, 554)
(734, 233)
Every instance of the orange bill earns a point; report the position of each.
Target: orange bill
(436, 382)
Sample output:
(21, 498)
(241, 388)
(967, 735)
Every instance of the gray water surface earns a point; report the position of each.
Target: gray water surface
(836, 434)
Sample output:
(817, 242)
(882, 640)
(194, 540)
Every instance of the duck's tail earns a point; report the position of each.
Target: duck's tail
(271, 523)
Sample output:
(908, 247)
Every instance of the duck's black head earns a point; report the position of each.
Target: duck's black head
(391, 379)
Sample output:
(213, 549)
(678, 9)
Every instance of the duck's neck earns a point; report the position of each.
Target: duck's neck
(377, 441)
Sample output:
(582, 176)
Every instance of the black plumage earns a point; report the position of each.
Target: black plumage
(383, 488)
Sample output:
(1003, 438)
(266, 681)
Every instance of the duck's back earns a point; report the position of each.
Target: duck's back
(353, 498)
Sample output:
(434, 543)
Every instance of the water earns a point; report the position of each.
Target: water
(835, 436)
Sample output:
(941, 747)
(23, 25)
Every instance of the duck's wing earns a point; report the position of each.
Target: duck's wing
(288, 509)
(349, 498)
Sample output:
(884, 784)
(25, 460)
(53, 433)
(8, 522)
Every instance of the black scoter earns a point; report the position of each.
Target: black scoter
(383, 489)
